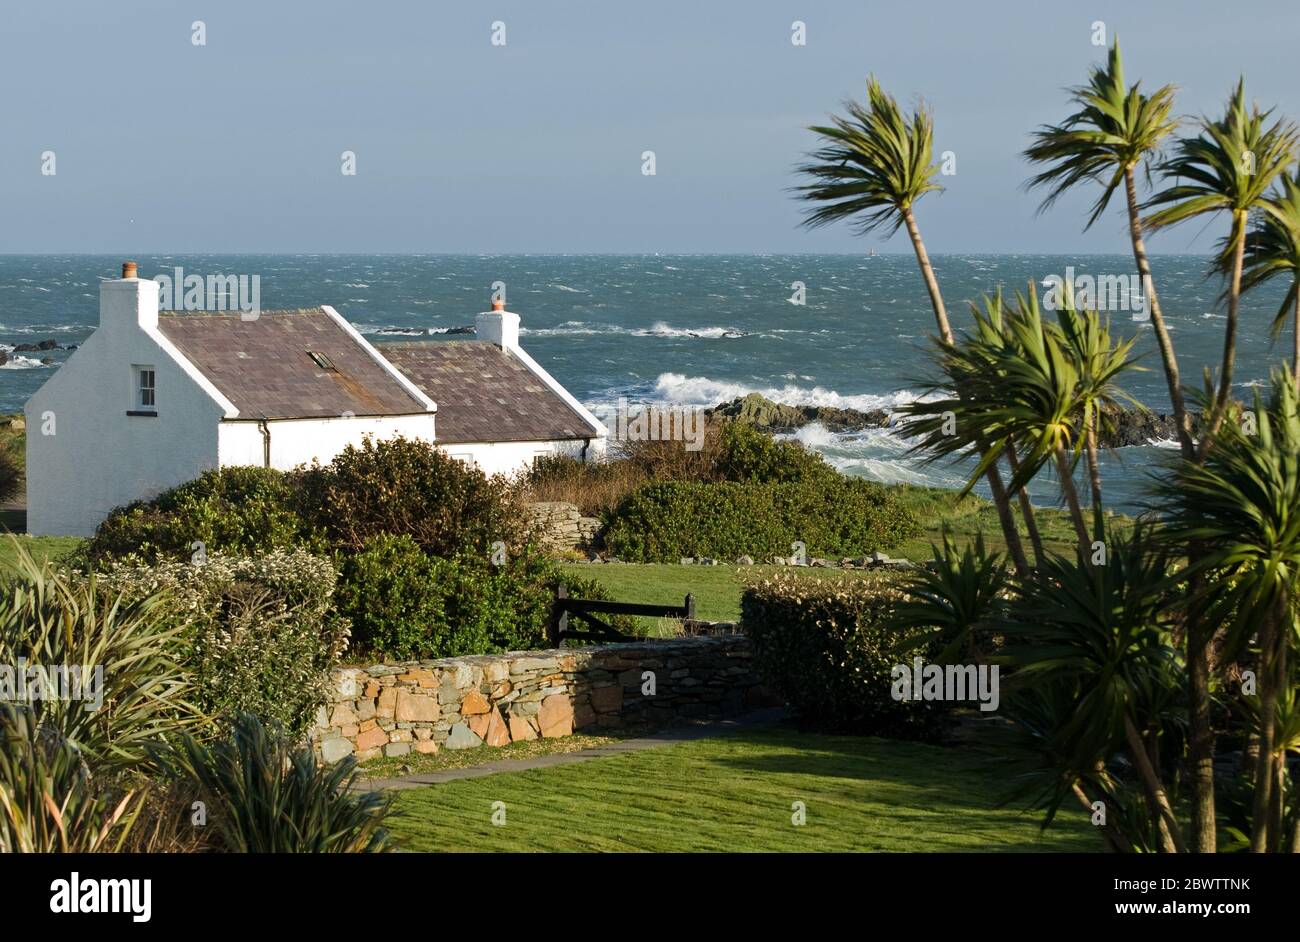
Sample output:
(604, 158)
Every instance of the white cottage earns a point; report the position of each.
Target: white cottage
(152, 399)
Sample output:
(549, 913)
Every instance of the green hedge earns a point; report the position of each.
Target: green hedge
(404, 604)
(825, 645)
(831, 517)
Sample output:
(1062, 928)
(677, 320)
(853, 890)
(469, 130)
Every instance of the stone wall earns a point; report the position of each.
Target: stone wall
(459, 703)
(563, 525)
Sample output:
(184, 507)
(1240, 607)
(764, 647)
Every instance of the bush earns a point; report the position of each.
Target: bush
(11, 475)
(402, 486)
(260, 633)
(265, 797)
(746, 454)
(405, 605)
(827, 647)
(835, 517)
(238, 510)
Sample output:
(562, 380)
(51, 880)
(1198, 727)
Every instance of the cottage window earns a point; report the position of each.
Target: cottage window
(147, 393)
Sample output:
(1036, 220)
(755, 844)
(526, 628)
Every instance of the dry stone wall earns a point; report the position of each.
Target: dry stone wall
(460, 703)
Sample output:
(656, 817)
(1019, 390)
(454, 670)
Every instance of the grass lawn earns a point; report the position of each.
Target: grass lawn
(54, 548)
(736, 793)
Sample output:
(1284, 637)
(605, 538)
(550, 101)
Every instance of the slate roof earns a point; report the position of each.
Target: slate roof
(264, 366)
(484, 393)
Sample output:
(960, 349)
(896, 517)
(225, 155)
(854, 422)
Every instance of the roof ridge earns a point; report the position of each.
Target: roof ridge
(238, 313)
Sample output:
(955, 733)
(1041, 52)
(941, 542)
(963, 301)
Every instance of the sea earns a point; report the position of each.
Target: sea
(692, 330)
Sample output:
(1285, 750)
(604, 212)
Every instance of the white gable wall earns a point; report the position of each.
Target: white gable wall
(85, 455)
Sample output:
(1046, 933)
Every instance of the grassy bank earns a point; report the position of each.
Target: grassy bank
(738, 793)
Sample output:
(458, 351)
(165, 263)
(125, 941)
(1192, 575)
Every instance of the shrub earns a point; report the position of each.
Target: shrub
(403, 486)
(404, 604)
(260, 632)
(55, 620)
(264, 797)
(240, 510)
(746, 454)
(49, 801)
(827, 647)
(396, 598)
(11, 475)
(840, 516)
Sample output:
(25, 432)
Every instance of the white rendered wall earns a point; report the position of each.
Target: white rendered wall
(298, 441)
(98, 457)
(510, 458)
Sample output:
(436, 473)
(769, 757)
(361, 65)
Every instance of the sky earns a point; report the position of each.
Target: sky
(536, 146)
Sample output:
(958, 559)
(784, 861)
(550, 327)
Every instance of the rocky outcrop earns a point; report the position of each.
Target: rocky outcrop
(1130, 426)
(770, 416)
(492, 700)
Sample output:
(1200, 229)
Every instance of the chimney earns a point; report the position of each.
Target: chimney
(499, 326)
(129, 300)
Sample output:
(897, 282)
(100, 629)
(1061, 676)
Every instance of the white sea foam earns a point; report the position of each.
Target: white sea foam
(21, 362)
(701, 390)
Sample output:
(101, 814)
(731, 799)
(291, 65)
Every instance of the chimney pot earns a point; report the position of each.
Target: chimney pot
(498, 305)
(129, 270)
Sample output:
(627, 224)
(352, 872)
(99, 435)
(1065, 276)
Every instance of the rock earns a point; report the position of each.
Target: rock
(770, 416)
(416, 708)
(371, 738)
(47, 361)
(687, 560)
(606, 699)
(705, 561)
(778, 561)
(397, 749)
(497, 732)
(335, 750)
(555, 718)
(426, 746)
(47, 345)
(745, 561)
(478, 725)
(521, 730)
(462, 738)
(387, 704)
(473, 704)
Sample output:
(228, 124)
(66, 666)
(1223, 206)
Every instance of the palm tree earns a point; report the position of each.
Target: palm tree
(1227, 168)
(1240, 504)
(1104, 631)
(871, 169)
(1272, 249)
(1010, 384)
(1116, 130)
(1099, 360)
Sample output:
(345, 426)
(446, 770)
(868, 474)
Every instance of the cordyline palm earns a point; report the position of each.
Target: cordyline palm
(874, 164)
(1242, 506)
(1116, 130)
(871, 169)
(1099, 361)
(1227, 168)
(1104, 631)
(1273, 249)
